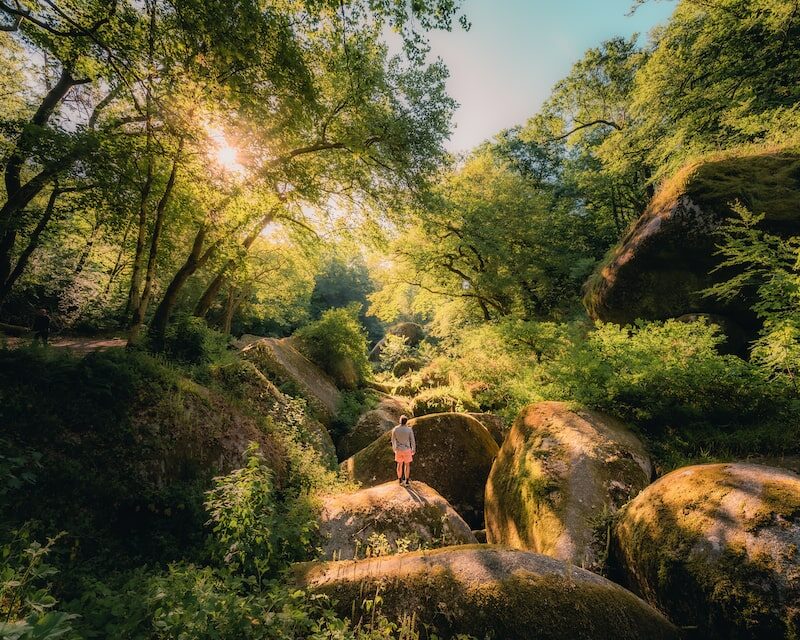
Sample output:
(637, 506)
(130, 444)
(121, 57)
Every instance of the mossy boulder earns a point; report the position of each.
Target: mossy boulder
(454, 456)
(372, 425)
(415, 516)
(716, 546)
(488, 592)
(281, 362)
(494, 424)
(411, 331)
(406, 365)
(557, 472)
(668, 257)
(243, 380)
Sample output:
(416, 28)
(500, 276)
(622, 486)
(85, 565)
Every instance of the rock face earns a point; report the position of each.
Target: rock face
(663, 263)
(244, 380)
(495, 425)
(454, 456)
(557, 471)
(716, 546)
(416, 515)
(489, 592)
(411, 331)
(372, 425)
(280, 361)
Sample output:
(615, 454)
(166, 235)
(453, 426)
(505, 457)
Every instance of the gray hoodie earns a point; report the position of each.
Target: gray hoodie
(403, 438)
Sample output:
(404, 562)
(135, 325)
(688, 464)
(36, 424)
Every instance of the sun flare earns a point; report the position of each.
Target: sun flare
(224, 153)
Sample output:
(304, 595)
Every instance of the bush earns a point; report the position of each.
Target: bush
(406, 365)
(190, 340)
(443, 400)
(337, 343)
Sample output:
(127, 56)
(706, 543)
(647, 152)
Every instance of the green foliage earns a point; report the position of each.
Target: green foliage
(443, 400)
(253, 533)
(27, 608)
(351, 406)
(189, 340)
(394, 349)
(338, 344)
(771, 265)
(341, 284)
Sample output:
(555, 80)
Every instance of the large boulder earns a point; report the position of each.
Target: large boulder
(295, 374)
(454, 456)
(372, 425)
(416, 516)
(494, 424)
(716, 546)
(558, 472)
(488, 592)
(666, 259)
(244, 380)
(411, 331)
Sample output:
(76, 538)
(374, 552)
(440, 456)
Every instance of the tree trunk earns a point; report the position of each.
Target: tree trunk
(213, 289)
(144, 302)
(196, 260)
(33, 242)
(18, 196)
(87, 249)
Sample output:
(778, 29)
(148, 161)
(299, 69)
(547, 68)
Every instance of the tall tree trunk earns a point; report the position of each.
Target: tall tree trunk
(213, 289)
(196, 260)
(155, 238)
(87, 248)
(232, 303)
(33, 242)
(19, 195)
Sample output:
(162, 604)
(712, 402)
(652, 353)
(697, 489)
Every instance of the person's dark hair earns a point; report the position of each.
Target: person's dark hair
(403, 419)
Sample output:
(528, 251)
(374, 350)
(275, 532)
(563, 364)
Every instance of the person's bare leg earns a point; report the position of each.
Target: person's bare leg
(407, 472)
(399, 470)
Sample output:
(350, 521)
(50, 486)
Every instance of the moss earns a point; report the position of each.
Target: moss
(558, 468)
(713, 546)
(511, 595)
(637, 280)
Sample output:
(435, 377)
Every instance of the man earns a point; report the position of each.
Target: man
(41, 327)
(404, 447)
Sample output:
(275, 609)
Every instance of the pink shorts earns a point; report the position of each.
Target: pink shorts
(403, 455)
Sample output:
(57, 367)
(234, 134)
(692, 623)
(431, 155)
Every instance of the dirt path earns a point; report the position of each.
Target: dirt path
(77, 344)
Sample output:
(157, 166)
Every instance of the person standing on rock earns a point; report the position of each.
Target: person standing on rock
(404, 447)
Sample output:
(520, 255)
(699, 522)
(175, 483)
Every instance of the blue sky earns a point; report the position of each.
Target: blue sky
(503, 68)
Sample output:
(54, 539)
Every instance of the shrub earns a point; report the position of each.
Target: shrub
(443, 400)
(406, 365)
(190, 340)
(337, 343)
(393, 349)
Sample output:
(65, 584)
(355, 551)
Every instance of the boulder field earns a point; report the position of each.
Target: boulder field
(416, 515)
(372, 425)
(716, 546)
(488, 592)
(665, 261)
(558, 472)
(454, 455)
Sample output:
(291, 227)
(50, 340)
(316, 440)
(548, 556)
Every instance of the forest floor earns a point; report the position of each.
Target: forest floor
(78, 344)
